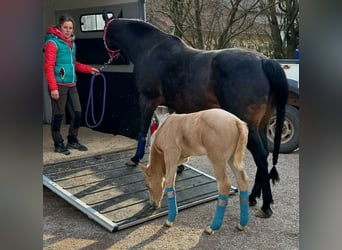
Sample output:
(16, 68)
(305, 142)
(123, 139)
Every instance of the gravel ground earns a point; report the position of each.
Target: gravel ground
(65, 227)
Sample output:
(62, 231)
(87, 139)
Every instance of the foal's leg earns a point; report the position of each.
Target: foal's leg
(242, 181)
(171, 159)
(224, 185)
(262, 183)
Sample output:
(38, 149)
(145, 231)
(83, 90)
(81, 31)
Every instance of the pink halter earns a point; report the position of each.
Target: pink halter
(111, 53)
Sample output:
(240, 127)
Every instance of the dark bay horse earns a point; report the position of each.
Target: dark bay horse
(170, 73)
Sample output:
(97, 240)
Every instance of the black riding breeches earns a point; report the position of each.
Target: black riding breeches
(68, 99)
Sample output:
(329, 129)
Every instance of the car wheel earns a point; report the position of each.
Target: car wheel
(290, 133)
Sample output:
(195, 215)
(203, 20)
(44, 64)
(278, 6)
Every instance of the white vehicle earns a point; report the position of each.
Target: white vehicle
(290, 135)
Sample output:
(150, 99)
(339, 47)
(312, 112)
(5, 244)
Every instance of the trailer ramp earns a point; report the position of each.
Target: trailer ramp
(114, 195)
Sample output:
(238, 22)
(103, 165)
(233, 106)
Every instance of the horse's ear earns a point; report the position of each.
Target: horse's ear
(106, 18)
(105, 15)
(120, 15)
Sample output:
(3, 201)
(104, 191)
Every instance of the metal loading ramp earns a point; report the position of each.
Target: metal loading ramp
(114, 195)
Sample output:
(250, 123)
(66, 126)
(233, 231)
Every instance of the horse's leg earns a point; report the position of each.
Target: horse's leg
(180, 167)
(171, 158)
(262, 183)
(242, 182)
(264, 138)
(223, 184)
(256, 191)
(147, 108)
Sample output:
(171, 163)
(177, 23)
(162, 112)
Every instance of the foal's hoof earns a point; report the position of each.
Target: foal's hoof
(239, 227)
(168, 223)
(131, 163)
(209, 231)
(262, 214)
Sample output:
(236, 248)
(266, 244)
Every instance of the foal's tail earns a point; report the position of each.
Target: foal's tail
(278, 96)
(241, 145)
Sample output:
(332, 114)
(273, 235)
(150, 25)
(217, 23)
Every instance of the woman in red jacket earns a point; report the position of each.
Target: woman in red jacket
(60, 69)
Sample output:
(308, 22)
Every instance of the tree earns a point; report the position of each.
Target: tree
(205, 24)
(168, 15)
(283, 19)
(217, 24)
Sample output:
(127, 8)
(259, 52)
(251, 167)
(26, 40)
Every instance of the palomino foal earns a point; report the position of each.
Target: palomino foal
(216, 133)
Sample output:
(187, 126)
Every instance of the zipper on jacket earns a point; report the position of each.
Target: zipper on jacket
(73, 66)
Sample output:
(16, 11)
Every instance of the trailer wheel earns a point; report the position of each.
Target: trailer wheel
(290, 133)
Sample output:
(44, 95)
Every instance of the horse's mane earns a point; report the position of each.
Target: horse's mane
(143, 28)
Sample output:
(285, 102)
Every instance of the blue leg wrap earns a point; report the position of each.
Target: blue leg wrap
(141, 146)
(244, 208)
(219, 213)
(172, 204)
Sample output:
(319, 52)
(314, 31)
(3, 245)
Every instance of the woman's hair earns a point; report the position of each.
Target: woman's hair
(65, 18)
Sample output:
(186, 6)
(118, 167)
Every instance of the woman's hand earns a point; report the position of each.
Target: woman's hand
(55, 94)
(95, 71)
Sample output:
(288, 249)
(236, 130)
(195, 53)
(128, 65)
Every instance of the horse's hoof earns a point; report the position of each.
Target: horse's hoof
(209, 231)
(168, 223)
(180, 169)
(262, 214)
(239, 227)
(131, 163)
(252, 203)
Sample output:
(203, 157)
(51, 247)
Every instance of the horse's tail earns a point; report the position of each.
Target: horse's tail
(278, 94)
(241, 145)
